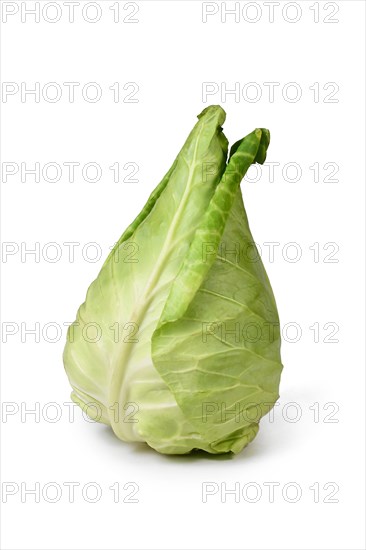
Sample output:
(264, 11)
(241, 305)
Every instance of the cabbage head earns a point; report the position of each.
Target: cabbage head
(177, 343)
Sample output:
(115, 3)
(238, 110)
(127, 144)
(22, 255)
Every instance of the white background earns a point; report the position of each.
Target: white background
(170, 52)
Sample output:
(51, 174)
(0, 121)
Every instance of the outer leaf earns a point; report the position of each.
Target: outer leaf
(223, 376)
